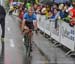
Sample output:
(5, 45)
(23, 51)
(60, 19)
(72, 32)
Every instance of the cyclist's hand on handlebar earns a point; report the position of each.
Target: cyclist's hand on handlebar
(26, 29)
(35, 28)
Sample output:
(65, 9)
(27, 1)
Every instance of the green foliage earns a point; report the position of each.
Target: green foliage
(20, 0)
(6, 3)
(73, 0)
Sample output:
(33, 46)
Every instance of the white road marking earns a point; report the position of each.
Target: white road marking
(8, 28)
(23, 39)
(12, 43)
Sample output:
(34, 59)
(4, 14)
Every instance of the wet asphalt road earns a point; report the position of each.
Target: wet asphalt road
(14, 45)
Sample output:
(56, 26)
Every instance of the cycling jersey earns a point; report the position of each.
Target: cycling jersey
(30, 18)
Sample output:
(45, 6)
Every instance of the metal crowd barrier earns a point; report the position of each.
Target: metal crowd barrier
(59, 30)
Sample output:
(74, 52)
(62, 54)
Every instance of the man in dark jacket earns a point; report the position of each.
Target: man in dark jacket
(2, 20)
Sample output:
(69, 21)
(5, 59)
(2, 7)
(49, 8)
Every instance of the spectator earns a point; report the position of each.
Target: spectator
(38, 9)
(68, 6)
(47, 11)
(62, 13)
(72, 14)
(28, 5)
(55, 5)
(72, 11)
(43, 10)
(35, 7)
(2, 20)
(55, 15)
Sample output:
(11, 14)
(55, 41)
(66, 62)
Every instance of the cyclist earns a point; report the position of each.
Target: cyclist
(29, 22)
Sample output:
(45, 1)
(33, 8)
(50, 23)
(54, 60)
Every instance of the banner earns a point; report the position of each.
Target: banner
(55, 30)
(59, 30)
(67, 35)
(47, 26)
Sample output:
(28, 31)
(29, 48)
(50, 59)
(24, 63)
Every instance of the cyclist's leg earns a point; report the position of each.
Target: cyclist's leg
(26, 42)
(30, 39)
(31, 35)
(26, 31)
(30, 28)
(29, 32)
(27, 37)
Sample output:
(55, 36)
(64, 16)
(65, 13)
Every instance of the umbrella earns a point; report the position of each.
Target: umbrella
(61, 1)
(48, 2)
(16, 3)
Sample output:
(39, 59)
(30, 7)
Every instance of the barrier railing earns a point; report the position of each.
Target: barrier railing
(41, 20)
(68, 36)
(55, 30)
(59, 30)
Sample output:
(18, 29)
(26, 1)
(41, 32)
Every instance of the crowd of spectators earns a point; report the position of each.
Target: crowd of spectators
(56, 11)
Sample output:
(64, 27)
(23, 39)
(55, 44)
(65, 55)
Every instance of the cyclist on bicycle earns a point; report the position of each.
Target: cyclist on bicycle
(29, 22)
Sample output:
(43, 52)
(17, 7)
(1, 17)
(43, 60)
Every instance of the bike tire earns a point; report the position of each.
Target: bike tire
(27, 45)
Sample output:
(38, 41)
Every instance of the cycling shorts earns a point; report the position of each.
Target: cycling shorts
(29, 25)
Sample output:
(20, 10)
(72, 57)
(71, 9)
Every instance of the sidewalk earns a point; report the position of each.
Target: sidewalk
(54, 55)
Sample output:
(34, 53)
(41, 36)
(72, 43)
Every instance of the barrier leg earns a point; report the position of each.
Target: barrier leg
(44, 34)
(72, 53)
(49, 38)
(68, 53)
(56, 44)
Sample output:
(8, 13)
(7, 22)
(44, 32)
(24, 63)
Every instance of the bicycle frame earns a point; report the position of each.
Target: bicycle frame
(28, 40)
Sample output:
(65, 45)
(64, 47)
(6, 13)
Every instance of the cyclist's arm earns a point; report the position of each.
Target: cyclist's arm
(23, 24)
(24, 20)
(35, 23)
